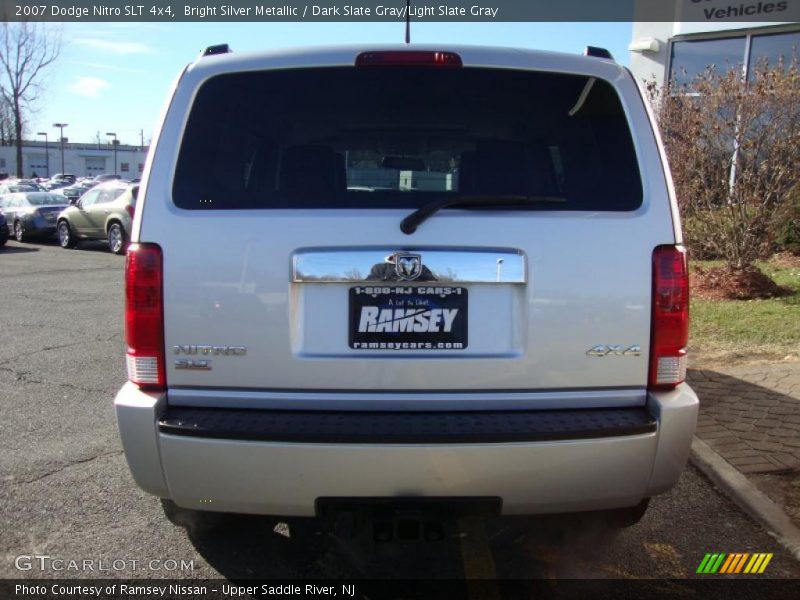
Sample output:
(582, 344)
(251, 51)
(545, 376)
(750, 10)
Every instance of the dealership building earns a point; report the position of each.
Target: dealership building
(44, 159)
(713, 32)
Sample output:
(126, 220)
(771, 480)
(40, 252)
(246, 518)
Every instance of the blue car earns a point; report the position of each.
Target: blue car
(32, 214)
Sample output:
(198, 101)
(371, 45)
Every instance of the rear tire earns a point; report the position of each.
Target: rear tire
(65, 237)
(19, 232)
(116, 239)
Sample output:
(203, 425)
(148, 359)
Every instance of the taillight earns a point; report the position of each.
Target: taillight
(670, 321)
(130, 209)
(404, 58)
(144, 316)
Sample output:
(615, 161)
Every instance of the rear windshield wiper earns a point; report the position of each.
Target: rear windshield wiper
(411, 222)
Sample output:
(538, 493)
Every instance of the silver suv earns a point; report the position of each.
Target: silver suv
(439, 273)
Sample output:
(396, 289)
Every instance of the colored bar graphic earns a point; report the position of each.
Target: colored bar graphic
(718, 563)
(703, 563)
(726, 565)
(731, 564)
(765, 563)
(754, 563)
(735, 563)
(740, 564)
(711, 562)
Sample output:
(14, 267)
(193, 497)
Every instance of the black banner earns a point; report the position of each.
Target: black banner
(397, 10)
(710, 588)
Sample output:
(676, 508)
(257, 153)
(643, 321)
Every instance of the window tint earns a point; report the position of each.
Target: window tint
(692, 57)
(402, 137)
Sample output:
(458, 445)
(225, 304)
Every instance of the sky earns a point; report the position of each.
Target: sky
(113, 77)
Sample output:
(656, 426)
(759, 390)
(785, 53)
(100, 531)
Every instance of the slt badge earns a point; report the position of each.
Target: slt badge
(602, 350)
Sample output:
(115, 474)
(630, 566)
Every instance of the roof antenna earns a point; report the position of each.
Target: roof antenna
(408, 21)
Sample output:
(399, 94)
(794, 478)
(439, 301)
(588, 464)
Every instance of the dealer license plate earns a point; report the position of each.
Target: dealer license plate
(401, 317)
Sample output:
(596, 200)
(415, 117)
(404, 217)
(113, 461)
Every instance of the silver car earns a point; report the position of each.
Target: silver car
(456, 276)
(104, 212)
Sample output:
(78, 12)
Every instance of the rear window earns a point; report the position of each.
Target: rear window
(129, 195)
(400, 137)
(47, 200)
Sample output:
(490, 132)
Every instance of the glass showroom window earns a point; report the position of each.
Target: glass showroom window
(690, 58)
(774, 49)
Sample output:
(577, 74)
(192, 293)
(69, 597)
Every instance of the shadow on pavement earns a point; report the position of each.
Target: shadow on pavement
(241, 547)
(32, 245)
(93, 246)
(17, 249)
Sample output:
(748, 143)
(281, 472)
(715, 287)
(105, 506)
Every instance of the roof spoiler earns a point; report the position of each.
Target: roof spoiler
(217, 49)
(597, 52)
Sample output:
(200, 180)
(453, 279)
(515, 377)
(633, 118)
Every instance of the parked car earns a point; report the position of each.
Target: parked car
(32, 214)
(63, 177)
(13, 187)
(76, 190)
(32, 183)
(3, 229)
(303, 340)
(106, 177)
(104, 212)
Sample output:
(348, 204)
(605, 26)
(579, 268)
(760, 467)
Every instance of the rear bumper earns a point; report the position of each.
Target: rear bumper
(407, 427)
(534, 472)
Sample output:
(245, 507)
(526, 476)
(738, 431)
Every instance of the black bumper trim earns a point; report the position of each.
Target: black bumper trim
(345, 427)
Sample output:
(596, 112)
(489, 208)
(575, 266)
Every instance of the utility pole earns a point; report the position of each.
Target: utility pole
(46, 151)
(141, 136)
(115, 143)
(61, 138)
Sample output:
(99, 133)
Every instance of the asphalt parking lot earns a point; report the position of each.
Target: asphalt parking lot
(65, 490)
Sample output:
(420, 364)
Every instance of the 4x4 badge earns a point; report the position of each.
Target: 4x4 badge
(407, 266)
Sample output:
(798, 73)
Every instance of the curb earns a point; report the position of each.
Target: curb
(755, 502)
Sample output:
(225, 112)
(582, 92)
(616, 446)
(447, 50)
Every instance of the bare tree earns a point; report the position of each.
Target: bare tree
(26, 49)
(6, 123)
(734, 149)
